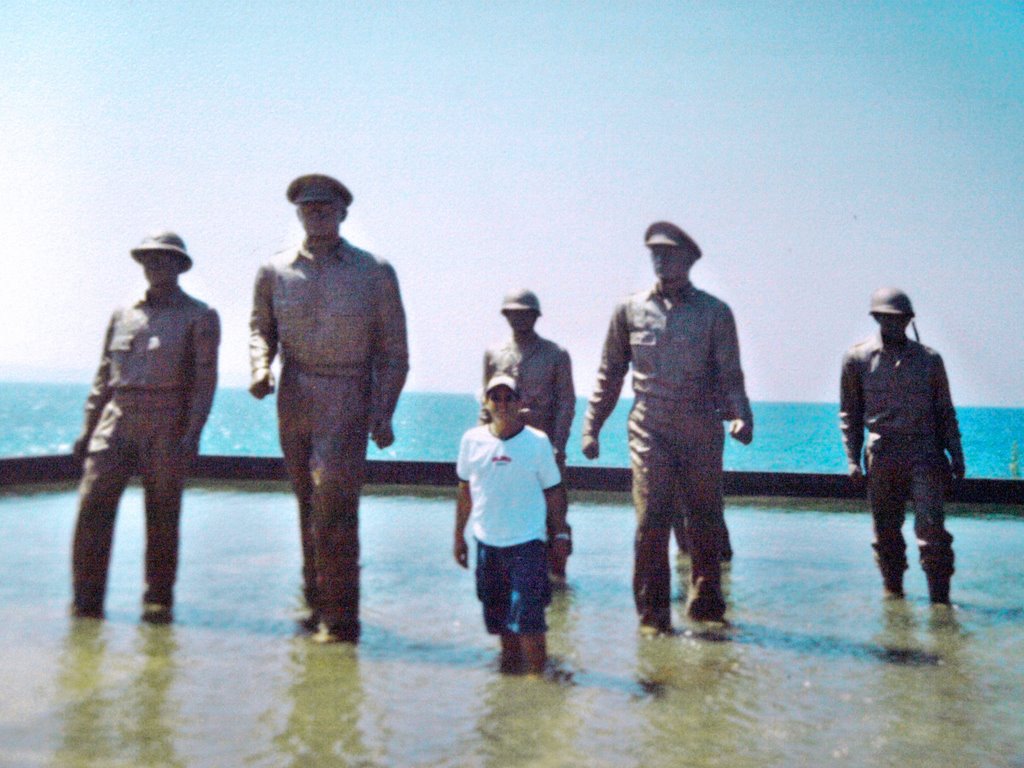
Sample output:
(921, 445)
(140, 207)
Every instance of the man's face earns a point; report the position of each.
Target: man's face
(521, 320)
(672, 263)
(162, 269)
(501, 403)
(321, 218)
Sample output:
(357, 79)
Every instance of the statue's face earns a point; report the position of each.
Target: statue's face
(162, 269)
(321, 218)
(892, 326)
(521, 320)
(672, 263)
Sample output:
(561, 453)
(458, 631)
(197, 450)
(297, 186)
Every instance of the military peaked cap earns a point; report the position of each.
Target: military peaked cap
(316, 187)
(667, 233)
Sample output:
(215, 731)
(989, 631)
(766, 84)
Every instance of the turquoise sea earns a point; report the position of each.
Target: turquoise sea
(44, 419)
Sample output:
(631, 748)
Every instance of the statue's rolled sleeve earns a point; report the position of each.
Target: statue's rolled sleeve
(945, 413)
(205, 343)
(100, 392)
(615, 360)
(730, 373)
(851, 409)
(489, 368)
(263, 336)
(565, 399)
(391, 348)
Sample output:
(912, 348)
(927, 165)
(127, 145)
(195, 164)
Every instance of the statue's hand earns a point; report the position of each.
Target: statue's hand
(262, 383)
(188, 450)
(741, 430)
(382, 433)
(80, 448)
(957, 467)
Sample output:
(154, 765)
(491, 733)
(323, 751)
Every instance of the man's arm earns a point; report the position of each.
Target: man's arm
(390, 364)
(557, 504)
(203, 383)
(463, 506)
(851, 415)
(262, 334)
(99, 396)
(615, 360)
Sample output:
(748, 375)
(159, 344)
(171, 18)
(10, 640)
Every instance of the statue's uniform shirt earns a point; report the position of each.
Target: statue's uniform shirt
(341, 315)
(156, 355)
(685, 357)
(902, 397)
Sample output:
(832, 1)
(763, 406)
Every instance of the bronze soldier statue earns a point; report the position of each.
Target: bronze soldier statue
(542, 371)
(897, 389)
(335, 314)
(149, 401)
(687, 379)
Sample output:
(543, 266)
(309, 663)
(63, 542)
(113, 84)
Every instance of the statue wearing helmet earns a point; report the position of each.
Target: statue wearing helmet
(891, 301)
(149, 401)
(543, 372)
(897, 390)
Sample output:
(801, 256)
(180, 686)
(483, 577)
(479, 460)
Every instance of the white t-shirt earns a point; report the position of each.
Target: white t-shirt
(507, 480)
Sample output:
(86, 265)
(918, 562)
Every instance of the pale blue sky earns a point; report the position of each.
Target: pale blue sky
(815, 150)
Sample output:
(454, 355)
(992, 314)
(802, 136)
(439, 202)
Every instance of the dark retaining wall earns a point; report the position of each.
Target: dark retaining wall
(49, 469)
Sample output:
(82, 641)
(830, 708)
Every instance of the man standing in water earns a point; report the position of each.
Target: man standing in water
(510, 487)
(683, 348)
(148, 404)
(335, 313)
(542, 371)
(898, 390)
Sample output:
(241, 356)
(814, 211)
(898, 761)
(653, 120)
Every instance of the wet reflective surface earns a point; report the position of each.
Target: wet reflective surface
(814, 669)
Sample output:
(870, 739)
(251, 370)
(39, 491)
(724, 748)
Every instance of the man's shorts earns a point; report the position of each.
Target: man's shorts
(512, 583)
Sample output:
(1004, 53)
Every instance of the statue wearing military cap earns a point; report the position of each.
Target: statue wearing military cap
(665, 233)
(543, 372)
(682, 347)
(144, 415)
(316, 187)
(333, 314)
(522, 299)
(897, 390)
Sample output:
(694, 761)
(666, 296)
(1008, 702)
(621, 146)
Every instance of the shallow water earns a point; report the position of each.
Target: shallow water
(815, 669)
